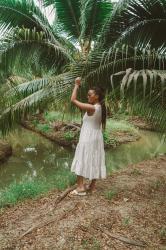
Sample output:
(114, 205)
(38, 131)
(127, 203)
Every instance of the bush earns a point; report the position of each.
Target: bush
(108, 140)
(69, 135)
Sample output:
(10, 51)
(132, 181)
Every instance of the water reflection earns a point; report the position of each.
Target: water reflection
(35, 157)
(134, 152)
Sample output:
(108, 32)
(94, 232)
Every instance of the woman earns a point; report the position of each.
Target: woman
(89, 159)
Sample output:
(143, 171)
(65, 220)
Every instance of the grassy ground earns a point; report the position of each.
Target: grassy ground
(29, 189)
(130, 204)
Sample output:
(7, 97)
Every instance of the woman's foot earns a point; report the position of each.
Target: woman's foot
(90, 188)
(78, 192)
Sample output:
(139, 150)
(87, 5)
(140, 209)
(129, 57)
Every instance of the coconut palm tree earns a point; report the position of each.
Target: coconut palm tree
(118, 49)
(31, 36)
(133, 58)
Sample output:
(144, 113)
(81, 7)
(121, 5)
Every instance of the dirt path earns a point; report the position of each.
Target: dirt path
(130, 203)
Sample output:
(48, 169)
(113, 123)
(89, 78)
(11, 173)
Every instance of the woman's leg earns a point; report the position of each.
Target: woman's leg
(80, 190)
(80, 183)
(92, 185)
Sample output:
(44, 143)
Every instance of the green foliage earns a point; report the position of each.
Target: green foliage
(62, 179)
(52, 116)
(120, 125)
(108, 139)
(114, 126)
(90, 244)
(116, 48)
(43, 127)
(17, 192)
(29, 189)
(69, 135)
(126, 221)
(35, 122)
(110, 194)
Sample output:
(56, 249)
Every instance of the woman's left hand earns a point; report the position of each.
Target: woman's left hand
(78, 81)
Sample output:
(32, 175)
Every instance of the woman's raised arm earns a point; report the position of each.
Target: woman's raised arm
(81, 105)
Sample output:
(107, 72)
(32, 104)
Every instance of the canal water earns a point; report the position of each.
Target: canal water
(35, 157)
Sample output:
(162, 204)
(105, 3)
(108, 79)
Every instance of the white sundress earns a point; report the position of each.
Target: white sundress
(89, 159)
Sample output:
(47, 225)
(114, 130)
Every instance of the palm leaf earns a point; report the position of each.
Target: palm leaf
(38, 51)
(68, 14)
(131, 21)
(93, 16)
(46, 91)
(26, 14)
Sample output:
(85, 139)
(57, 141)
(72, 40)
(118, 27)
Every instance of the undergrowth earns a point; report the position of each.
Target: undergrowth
(16, 192)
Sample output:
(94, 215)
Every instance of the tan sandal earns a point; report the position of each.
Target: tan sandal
(75, 192)
(87, 187)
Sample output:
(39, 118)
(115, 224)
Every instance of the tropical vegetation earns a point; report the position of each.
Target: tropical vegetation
(119, 46)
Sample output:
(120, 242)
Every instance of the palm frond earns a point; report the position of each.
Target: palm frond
(68, 14)
(128, 58)
(25, 14)
(131, 21)
(52, 89)
(29, 87)
(93, 16)
(151, 110)
(38, 51)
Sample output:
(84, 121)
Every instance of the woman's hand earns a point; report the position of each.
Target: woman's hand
(78, 81)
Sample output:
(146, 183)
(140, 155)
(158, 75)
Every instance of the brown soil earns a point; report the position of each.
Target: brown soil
(136, 211)
(5, 150)
(142, 123)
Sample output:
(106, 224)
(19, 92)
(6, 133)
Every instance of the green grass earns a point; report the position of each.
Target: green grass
(44, 128)
(136, 172)
(90, 244)
(35, 122)
(113, 126)
(120, 125)
(29, 189)
(157, 184)
(51, 116)
(108, 140)
(69, 135)
(127, 221)
(163, 232)
(110, 194)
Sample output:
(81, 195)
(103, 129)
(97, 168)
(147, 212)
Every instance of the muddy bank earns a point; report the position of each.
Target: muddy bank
(142, 123)
(5, 150)
(55, 136)
(128, 207)
(67, 135)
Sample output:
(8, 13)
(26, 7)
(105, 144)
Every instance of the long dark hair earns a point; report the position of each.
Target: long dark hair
(101, 94)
